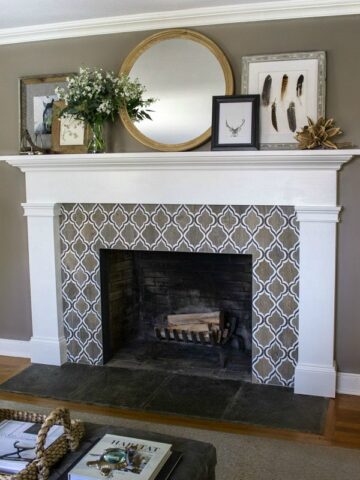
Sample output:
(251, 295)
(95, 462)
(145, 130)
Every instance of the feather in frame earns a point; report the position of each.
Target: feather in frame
(291, 115)
(265, 96)
(273, 116)
(299, 85)
(284, 84)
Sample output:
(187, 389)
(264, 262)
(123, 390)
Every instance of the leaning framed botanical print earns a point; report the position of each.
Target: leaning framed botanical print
(69, 135)
(292, 87)
(37, 96)
(235, 122)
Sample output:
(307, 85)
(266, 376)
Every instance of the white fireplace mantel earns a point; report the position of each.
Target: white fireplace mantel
(306, 180)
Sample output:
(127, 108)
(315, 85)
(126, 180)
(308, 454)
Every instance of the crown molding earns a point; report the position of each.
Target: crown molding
(248, 12)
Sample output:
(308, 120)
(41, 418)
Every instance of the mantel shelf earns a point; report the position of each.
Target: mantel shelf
(198, 160)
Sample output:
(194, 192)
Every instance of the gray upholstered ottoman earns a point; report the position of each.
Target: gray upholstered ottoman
(198, 461)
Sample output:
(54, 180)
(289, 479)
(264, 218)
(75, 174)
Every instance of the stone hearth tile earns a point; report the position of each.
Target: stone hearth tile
(59, 382)
(277, 407)
(193, 396)
(119, 386)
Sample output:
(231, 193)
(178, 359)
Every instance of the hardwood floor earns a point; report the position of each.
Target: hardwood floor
(342, 422)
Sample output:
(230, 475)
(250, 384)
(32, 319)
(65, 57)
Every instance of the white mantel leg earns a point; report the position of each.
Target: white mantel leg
(315, 373)
(47, 344)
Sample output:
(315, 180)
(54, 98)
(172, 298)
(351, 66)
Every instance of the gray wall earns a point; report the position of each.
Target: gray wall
(339, 37)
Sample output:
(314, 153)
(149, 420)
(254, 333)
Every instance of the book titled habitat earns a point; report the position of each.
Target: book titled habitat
(120, 457)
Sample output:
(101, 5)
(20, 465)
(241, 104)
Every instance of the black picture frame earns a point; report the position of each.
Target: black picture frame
(230, 114)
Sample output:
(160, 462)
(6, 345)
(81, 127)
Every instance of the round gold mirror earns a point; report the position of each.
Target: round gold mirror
(183, 70)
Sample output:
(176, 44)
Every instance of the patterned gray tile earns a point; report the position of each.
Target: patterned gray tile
(268, 233)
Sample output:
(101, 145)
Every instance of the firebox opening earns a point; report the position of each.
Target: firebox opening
(141, 289)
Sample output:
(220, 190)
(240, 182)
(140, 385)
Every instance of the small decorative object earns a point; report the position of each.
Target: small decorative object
(318, 134)
(292, 88)
(37, 97)
(235, 124)
(69, 135)
(94, 96)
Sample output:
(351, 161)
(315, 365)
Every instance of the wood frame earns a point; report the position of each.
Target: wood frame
(45, 84)
(148, 43)
(216, 141)
(56, 131)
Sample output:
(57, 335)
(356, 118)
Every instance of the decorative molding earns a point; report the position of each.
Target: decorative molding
(198, 160)
(348, 383)
(248, 12)
(41, 209)
(15, 348)
(318, 213)
(315, 379)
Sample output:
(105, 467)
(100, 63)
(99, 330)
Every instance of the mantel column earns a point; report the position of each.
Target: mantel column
(47, 345)
(315, 373)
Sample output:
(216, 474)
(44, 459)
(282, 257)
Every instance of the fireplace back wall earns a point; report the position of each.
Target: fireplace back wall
(140, 288)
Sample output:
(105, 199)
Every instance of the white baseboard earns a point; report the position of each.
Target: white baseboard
(48, 350)
(348, 383)
(15, 348)
(318, 380)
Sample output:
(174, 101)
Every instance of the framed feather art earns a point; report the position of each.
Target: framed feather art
(292, 87)
(235, 122)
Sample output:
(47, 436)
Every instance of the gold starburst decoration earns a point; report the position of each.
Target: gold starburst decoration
(319, 134)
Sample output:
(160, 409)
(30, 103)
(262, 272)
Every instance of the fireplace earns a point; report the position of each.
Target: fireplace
(140, 289)
(215, 192)
(268, 235)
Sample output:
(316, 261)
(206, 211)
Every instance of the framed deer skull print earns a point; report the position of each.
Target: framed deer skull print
(37, 97)
(235, 122)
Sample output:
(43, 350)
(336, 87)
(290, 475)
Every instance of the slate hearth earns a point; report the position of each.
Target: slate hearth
(187, 396)
(268, 233)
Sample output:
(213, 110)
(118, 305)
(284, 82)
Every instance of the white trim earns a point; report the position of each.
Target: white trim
(41, 209)
(321, 214)
(348, 383)
(315, 380)
(47, 350)
(248, 12)
(15, 348)
(198, 160)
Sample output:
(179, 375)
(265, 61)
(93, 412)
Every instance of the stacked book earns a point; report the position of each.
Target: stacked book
(123, 458)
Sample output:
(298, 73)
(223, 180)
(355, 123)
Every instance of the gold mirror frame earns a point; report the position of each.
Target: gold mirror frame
(148, 43)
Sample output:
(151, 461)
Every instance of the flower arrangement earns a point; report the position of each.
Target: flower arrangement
(94, 96)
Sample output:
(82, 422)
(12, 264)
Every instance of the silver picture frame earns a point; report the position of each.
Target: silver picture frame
(311, 66)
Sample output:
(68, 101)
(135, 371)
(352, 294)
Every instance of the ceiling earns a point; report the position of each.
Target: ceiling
(20, 13)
